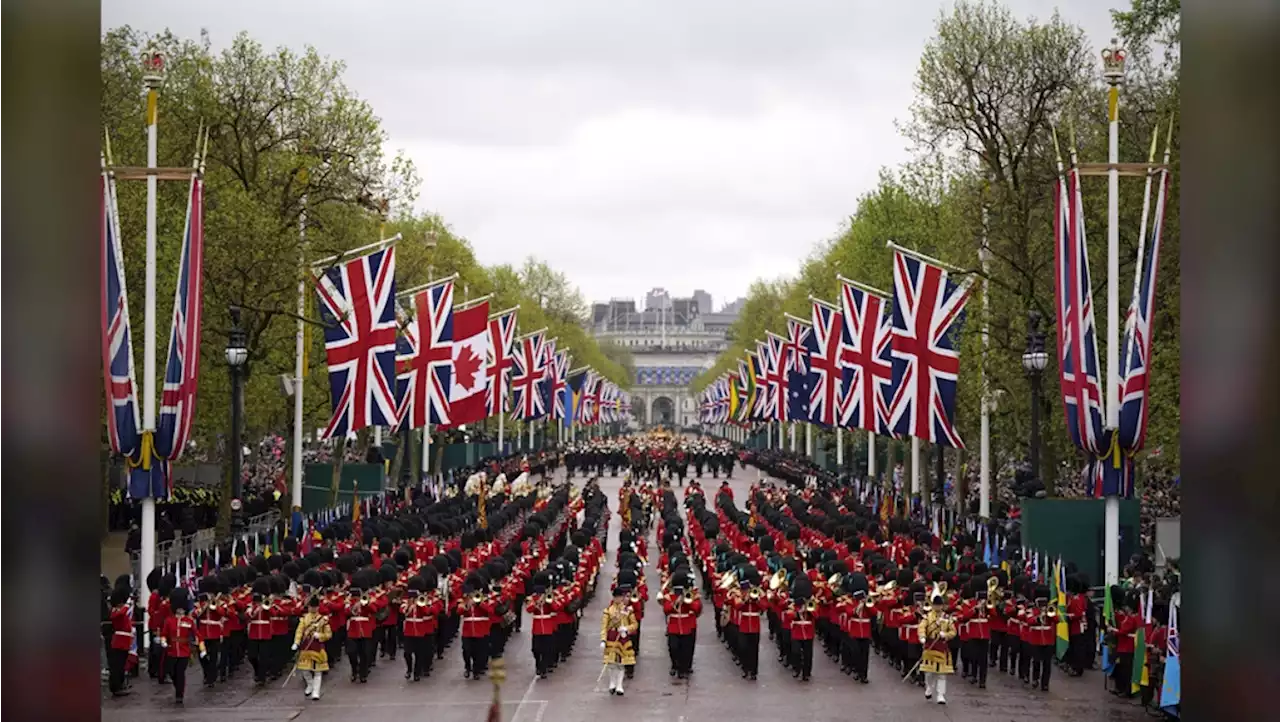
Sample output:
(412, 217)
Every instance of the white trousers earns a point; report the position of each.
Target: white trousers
(313, 680)
(616, 675)
(934, 681)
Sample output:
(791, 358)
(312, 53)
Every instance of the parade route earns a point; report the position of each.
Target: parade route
(571, 693)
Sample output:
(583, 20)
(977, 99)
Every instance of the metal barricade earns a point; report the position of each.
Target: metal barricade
(183, 546)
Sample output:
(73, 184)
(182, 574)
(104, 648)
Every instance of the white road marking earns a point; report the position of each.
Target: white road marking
(525, 699)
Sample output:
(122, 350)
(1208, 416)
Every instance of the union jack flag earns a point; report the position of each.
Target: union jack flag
(1135, 361)
(425, 370)
(358, 310)
(559, 379)
(590, 401)
(530, 375)
(864, 355)
(745, 379)
(117, 344)
(182, 369)
(502, 339)
(777, 376)
(1078, 367)
(928, 313)
(825, 371)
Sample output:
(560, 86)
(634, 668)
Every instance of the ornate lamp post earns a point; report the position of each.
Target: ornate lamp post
(1034, 361)
(237, 355)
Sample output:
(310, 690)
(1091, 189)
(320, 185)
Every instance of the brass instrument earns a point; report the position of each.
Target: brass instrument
(778, 580)
(811, 606)
(688, 596)
(477, 597)
(635, 597)
(833, 581)
(993, 592)
(728, 580)
(754, 594)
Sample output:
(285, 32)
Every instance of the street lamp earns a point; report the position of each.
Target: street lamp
(237, 355)
(1034, 361)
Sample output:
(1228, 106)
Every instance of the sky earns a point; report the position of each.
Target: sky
(632, 144)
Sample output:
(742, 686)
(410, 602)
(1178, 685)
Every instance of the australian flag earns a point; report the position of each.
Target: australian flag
(799, 383)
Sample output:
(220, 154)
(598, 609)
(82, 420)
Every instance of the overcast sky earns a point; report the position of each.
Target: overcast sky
(630, 143)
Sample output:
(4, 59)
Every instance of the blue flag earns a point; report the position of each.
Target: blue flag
(1171, 685)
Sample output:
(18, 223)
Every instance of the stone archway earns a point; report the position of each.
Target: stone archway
(664, 411)
(640, 412)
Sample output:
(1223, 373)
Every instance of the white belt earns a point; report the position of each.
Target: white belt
(420, 620)
(680, 616)
(357, 619)
(475, 619)
(794, 623)
(127, 634)
(544, 616)
(749, 614)
(260, 621)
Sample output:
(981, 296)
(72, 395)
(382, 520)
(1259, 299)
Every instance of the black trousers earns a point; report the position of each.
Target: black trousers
(861, 655)
(212, 660)
(681, 647)
(360, 652)
(976, 656)
(116, 659)
(1077, 649)
(545, 652)
(419, 654)
(260, 658)
(749, 653)
(390, 638)
(1042, 660)
(1123, 674)
(1024, 661)
(802, 657)
(333, 648)
(155, 659)
(910, 659)
(1013, 650)
(999, 651)
(475, 654)
(178, 673)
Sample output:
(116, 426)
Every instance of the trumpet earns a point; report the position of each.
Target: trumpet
(754, 594)
(811, 606)
(688, 597)
(635, 597)
(477, 597)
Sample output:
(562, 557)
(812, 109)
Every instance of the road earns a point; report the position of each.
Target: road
(571, 694)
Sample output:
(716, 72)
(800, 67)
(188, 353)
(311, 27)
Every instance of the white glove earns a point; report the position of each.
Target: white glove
(315, 636)
(602, 645)
(203, 654)
(295, 647)
(622, 633)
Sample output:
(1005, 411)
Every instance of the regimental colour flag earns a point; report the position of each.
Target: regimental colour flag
(529, 377)
(123, 421)
(865, 358)
(826, 376)
(928, 313)
(502, 339)
(357, 308)
(425, 374)
(467, 395)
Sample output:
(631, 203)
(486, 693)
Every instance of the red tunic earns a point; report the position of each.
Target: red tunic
(476, 618)
(259, 616)
(179, 634)
(360, 622)
(122, 627)
(682, 619)
(421, 615)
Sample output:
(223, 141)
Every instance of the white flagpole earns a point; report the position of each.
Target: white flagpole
(300, 350)
(871, 455)
(808, 440)
(147, 549)
(500, 429)
(426, 451)
(984, 463)
(793, 437)
(1113, 76)
(915, 466)
(839, 447)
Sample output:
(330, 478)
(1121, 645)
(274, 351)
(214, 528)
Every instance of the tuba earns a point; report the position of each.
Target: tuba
(728, 580)
(778, 580)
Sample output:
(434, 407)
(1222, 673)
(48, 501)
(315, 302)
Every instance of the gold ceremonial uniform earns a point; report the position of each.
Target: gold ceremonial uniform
(618, 631)
(936, 629)
(313, 632)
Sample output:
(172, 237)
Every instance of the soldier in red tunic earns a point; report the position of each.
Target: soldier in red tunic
(180, 641)
(544, 607)
(121, 643)
(420, 609)
(360, 626)
(682, 605)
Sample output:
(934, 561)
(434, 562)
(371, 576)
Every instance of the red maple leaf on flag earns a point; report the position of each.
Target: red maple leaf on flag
(466, 366)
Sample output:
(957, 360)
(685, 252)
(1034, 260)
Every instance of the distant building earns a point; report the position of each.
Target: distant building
(672, 340)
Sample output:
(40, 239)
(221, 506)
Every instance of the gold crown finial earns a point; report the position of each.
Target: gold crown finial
(153, 67)
(1113, 57)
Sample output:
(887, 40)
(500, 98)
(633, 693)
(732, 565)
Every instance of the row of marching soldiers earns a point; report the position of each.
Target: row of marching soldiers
(832, 576)
(432, 575)
(652, 457)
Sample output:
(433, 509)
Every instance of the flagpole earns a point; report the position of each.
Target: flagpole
(793, 437)
(839, 447)
(808, 440)
(300, 349)
(152, 79)
(871, 455)
(984, 462)
(915, 467)
(1114, 73)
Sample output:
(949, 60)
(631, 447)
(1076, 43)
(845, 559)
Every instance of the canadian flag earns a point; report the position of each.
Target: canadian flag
(470, 351)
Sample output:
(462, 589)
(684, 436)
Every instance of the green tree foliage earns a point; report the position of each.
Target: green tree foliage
(292, 152)
(990, 91)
